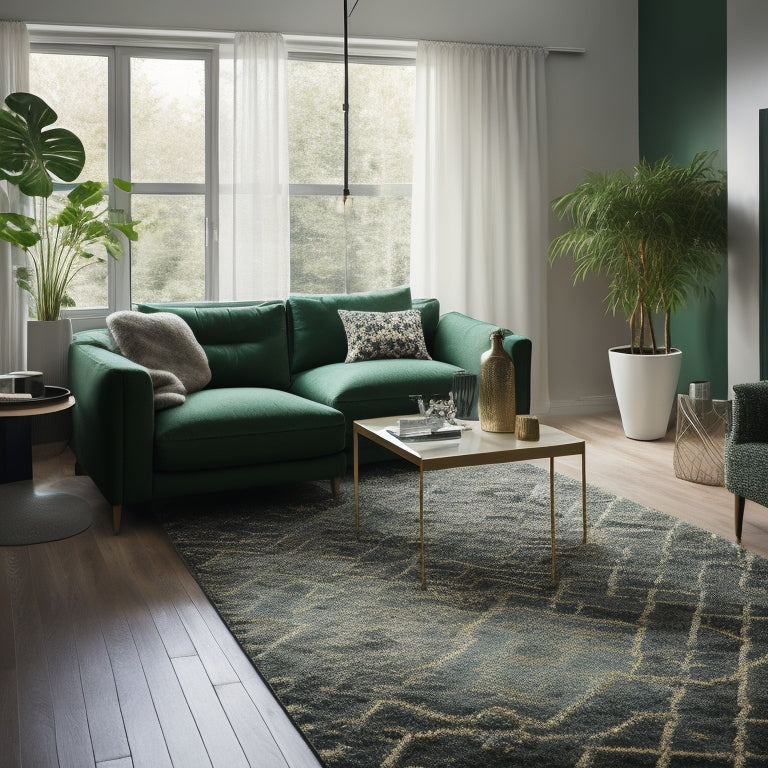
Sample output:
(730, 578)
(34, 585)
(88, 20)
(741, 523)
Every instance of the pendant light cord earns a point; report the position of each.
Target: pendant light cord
(345, 193)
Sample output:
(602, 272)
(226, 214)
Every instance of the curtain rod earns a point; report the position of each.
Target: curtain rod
(558, 49)
(300, 41)
(547, 48)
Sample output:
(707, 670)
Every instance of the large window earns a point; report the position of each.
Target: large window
(142, 115)
(86, 112)
(146, 113)
(168, 162)
(365, 245)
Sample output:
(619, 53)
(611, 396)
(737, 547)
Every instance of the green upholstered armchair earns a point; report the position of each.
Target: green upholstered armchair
(746, 448)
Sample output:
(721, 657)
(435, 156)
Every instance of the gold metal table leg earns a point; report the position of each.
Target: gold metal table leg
(355, 470)
(584, 495)
(552, 514)
(421, 526)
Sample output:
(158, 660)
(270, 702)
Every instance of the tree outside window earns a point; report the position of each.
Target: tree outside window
(165, 154)
(366, 246)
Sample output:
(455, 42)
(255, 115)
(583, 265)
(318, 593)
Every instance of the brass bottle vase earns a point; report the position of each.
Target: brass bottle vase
(496, 401)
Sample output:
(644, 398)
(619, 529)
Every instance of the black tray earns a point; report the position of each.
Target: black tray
(52, 395)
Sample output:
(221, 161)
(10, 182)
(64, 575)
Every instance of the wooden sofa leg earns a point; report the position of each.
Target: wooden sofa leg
(335, 486)
(117, 515)
(738, 514)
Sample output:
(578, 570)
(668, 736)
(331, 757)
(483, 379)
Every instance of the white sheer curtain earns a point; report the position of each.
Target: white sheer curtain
(254, 226)
(14, 76)
(480, 205)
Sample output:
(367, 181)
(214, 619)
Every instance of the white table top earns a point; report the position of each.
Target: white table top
(475, 447)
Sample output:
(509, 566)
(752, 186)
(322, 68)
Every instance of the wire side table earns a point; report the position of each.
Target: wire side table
(702, 425)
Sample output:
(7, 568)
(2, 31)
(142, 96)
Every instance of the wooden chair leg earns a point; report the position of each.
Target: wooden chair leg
(738, 514)
(335, 486)
(117, 515)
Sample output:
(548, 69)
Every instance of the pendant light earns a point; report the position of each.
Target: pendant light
(345, 193)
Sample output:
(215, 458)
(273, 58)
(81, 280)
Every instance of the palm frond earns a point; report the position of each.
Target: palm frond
(658, 234)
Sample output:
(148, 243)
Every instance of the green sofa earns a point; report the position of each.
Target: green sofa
(281, 401)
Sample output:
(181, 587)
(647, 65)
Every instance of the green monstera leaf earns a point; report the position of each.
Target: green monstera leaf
(17, 229)
(63, 236)
(31, 153)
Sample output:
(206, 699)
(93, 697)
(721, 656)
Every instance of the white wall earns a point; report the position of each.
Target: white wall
(593, 112)
(747, 94)
(593, 125)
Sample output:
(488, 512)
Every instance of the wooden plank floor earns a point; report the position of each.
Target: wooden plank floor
(642, 471)
(111, 655)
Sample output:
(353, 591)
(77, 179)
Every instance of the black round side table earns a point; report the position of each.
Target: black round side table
(28, 516)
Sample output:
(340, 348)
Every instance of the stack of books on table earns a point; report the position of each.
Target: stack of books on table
(21, 386)
(420, 430)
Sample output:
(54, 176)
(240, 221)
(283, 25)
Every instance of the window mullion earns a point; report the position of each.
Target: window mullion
(124, 118)
(167, 188)
(120, 156)
(357, 190)
(212, 179)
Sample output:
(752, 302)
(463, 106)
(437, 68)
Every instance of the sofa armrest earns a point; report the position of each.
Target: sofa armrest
(749, 423)
(461, 340)
(113, 421)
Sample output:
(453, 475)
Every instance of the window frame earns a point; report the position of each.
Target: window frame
(119, 46)
(81, 316)
(360, 51)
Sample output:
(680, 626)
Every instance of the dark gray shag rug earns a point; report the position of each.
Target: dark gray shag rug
(652, 650)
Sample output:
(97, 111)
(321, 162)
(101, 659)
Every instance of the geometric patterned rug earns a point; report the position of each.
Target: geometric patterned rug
(651, 650)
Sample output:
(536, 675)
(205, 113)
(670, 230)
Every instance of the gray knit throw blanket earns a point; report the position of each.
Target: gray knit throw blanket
(164, 344)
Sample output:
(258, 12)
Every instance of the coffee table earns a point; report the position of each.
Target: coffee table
(474, 448)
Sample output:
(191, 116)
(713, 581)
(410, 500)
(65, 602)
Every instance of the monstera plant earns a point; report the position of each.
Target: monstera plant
(59, 240)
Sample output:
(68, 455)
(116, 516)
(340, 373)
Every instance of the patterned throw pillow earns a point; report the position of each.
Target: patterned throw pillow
(383, 335)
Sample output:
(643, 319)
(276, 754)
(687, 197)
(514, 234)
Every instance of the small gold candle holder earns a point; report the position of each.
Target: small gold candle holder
(527, 427)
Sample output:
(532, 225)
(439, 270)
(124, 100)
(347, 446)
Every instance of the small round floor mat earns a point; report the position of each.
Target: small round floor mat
(27, 517)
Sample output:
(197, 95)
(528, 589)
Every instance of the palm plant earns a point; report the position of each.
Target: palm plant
(658, 234)
(59, 244)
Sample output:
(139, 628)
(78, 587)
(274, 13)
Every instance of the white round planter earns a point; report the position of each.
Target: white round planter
(645, 388)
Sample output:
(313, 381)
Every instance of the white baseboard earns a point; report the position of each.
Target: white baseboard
(584, 405)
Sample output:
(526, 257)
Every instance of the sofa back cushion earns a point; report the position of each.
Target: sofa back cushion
(430, 316)
(246, 342)
(316, 331)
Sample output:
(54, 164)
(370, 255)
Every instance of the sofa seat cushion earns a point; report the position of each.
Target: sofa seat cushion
(242, 426)
(373, 388)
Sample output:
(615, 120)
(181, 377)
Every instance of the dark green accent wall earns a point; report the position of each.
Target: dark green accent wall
(682, 107)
